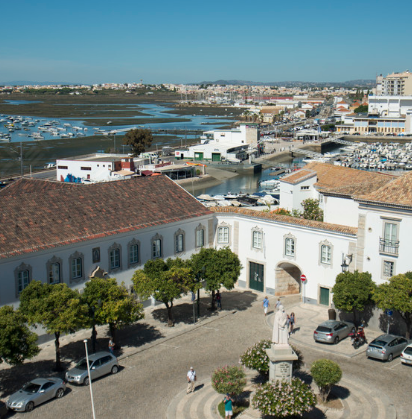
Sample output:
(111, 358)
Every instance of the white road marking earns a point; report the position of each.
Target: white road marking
(393, 366)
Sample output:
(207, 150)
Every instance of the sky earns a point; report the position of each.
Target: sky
(193, 41)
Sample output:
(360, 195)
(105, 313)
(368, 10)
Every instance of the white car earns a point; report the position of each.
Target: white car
(406, 355)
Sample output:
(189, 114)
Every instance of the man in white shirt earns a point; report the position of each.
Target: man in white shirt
(191, 378)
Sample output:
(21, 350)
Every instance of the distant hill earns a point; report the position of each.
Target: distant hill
(32, 83)
(350, 83)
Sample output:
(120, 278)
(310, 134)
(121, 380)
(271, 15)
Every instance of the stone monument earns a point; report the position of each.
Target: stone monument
(281, 354)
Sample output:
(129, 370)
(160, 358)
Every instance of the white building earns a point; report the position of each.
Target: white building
(60, 232)
(225, 144)
(391, 106)
(95, 169)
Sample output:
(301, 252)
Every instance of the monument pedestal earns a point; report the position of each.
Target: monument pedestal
(281, 357)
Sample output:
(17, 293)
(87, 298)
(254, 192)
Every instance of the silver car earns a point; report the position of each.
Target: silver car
(36, 392)
(386, 347)
(101, 363)
(332, 331)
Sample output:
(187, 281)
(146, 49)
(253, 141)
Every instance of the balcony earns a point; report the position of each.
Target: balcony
(388, 246)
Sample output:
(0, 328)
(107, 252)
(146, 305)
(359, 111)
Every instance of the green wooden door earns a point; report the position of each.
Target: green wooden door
(324, 296)
(256, 276)
(199, 156)
(215, 156)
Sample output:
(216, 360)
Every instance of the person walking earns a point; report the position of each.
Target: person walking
(265, 305)
(191, 378)
(278, 303)
(218, 299)
(228, 406)
(111, 346)
(292, 321)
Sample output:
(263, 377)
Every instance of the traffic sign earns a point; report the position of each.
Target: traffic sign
(389, 312)
(303, 278)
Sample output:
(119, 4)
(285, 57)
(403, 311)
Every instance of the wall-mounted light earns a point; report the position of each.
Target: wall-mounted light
(346, 260)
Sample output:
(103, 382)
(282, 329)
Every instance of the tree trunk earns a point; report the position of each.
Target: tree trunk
(113, 330)
(213, 300)
(57, 346)
(169, 315)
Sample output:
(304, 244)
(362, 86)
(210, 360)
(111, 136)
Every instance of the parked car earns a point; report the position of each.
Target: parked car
(332, 331)
(406, 355)
(3, 410)
(36, 392)
(101, 363)
(386, 347)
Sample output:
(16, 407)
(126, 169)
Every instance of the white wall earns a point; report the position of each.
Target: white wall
(292, 195)
(373, 258)
(342, 211)
(307, 250)
(38, 260)
(100, 170)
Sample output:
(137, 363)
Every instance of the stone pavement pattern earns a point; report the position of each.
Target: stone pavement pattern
(155, 360)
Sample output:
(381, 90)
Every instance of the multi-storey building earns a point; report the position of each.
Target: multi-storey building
(395, 84)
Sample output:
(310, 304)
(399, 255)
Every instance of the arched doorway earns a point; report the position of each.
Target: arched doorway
(287, 279)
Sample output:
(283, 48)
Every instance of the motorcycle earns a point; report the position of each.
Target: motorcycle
(358, 338)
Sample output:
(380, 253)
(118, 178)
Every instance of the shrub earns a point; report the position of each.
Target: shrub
(281, 211)
(229, 379)
(325, 373)
(256, 358)
(282, 399)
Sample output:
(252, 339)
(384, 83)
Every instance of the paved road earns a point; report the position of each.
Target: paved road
(156, 359)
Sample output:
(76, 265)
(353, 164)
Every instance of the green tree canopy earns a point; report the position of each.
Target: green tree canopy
(311, 210)
(139, 139)
(165, 281)
(56, 307)
(396, 294)
(17, 342)
(325, 373)
(218, 267)
(113, 304)
(361, 109)
(353, 291)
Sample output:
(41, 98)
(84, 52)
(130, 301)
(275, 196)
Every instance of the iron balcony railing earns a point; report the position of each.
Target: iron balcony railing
(389, 246)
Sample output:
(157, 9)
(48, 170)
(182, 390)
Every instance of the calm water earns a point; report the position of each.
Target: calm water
(196, 122)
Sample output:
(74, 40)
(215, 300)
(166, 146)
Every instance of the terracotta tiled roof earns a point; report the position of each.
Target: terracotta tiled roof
(38, 214)
(342, 102)
(299, 175)
(340, 180)
(397, 193)
(287, 220)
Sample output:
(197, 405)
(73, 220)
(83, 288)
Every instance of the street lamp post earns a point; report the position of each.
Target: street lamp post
(90, 378)
(198, 278)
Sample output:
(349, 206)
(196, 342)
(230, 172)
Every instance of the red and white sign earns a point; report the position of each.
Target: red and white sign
(303, 278)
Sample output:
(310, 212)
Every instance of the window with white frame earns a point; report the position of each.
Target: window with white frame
(289, 246)
(134, 247)
(257, 239)
(223, 235)
(388, 268)
(389, 243)
(115, 257)
(54, 270)
(157, 246)
(200, 236)
(325, 254)
(179, 241)
(76, 267)
(23, 280)
(54, 273)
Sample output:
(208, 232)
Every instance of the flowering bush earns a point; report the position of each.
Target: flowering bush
(282, 399)
(229, 379)
(256, 358)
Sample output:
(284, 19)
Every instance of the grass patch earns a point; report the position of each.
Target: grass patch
(237, 408)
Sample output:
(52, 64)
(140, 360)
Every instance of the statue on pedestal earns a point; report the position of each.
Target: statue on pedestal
(280, 328)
